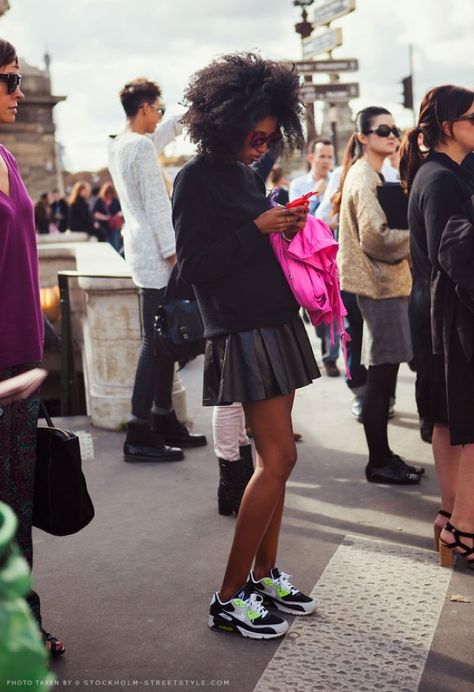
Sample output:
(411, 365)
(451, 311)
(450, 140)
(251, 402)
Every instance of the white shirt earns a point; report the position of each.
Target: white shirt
(390, 174)
(301, 186)
(324, 211)
(148, 233)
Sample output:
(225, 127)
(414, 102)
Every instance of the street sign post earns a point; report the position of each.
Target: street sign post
(327, 11)
(332, 92)
(322, 43)
(327, 66)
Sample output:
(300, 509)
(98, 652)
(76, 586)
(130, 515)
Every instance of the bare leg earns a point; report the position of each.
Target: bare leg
(446, 458)
(263, 498)
(463, 511)
(265, 559)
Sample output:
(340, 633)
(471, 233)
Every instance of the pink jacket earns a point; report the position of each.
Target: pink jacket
(309, 264)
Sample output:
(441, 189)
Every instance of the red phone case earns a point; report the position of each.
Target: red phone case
(301, 200)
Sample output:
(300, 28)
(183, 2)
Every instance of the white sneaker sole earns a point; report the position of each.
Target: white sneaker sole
(251, 635)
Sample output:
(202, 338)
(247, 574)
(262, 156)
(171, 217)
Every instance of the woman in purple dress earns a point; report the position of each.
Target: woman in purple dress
(21, 329)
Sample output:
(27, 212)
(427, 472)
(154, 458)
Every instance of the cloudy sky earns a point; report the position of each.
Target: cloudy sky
(97, 45)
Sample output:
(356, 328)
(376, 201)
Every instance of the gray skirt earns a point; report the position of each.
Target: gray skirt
(386, 335)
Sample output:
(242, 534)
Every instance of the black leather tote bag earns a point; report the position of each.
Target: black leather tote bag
(62, 504)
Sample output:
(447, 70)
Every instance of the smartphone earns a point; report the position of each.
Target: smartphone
(301, 200)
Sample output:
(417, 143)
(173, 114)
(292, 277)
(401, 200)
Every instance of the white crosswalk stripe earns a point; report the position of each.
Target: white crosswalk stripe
(379, 605)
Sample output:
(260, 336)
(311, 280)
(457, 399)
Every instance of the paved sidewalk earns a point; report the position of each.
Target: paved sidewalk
(129, 594)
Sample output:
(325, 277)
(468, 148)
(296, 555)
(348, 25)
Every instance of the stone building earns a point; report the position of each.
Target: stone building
(31, 138)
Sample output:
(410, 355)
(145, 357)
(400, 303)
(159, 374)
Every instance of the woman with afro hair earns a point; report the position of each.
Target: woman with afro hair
(257, 350)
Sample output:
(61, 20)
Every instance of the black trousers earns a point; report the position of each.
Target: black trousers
(155, 369)
(354, 346)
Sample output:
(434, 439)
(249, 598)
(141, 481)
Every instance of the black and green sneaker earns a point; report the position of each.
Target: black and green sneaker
(278, 591)
(245, 616)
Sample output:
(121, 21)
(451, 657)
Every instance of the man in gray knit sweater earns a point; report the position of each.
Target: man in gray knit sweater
(149, 246)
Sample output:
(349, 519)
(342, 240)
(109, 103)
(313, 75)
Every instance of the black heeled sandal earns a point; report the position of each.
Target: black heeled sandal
(447, 551)
(437, 529)
(54, 646)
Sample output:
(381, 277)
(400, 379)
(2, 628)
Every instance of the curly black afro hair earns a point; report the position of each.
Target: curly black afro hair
(228, 97)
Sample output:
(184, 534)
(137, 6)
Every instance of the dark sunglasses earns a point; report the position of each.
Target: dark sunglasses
(258, 139)
(466, 117)
(385, 131)
(13, 81)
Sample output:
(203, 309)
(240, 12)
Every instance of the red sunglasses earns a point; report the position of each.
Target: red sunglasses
(258, 139)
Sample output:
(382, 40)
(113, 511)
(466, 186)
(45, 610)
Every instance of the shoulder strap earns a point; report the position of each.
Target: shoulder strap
(45, 413)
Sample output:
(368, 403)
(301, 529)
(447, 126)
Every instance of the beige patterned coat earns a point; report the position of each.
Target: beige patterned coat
(373, 259)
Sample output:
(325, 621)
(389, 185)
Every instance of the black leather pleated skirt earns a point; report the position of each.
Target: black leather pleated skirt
(258, 364)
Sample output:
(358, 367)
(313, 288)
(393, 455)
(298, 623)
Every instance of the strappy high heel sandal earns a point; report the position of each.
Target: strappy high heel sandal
(54, 645)
(437, 529)
(447, 551)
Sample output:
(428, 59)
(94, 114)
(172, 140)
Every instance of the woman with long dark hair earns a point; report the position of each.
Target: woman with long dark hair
(257, 348)
(80, 217)
(21, 330)
(108, 216)
(435, 168)
(374, 266)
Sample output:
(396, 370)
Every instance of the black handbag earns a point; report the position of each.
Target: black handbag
(178, 321)
(62, 504)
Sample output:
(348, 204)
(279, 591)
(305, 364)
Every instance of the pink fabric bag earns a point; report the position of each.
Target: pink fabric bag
(309, 264)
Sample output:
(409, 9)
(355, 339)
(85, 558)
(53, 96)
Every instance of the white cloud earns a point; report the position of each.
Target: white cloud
(96, 45)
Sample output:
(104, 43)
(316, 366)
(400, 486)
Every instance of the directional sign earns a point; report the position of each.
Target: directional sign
(332, 9)
(321, 43)
(329, 92)
(327, 66)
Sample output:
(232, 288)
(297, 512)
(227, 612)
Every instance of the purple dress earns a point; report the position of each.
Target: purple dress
(21, 348)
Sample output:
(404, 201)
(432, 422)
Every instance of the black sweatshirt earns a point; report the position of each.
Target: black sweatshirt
(238, 281)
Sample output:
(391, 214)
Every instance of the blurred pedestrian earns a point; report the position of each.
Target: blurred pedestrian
(233, 450)
(42, 214)
(80, 218)
(21, 326)
(94, 194)
(441, 219)
(373, 262)
(277, 178)
(150, 252)
(59, 211)
(257, 349)
(391, 166)
(107, 216)
(321, 161)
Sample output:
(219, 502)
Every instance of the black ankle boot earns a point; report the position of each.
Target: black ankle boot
(174, 432)
(143, 444)
(246, 455)
(233, 479)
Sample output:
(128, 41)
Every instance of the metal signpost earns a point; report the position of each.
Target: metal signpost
(322, 43)
(327, 66)
(335, 91)
(326, 12)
